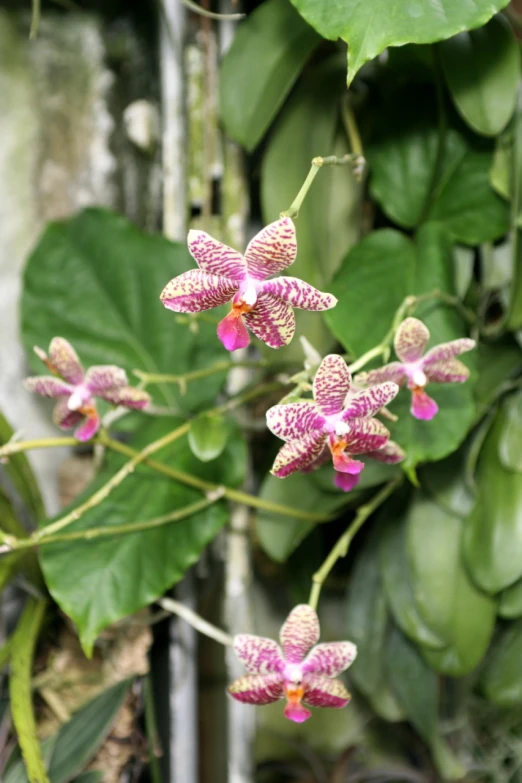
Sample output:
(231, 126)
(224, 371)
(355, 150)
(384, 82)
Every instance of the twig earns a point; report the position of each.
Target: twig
(210, 14)
(196, 621)
(35, 20)
(317, 164)
(196, 375)
(17, 446)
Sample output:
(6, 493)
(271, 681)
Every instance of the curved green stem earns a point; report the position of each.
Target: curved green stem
(317, 164)
(197, 375)
(210, 14)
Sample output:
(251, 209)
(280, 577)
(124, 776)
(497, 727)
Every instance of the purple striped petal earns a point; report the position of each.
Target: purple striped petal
(394, 372)
(330, 659)
(368, 402)
(391, 453)
(257, 688)
(322, 459)
(346, 481)
(48, 386)
(292, 421)
(299, 633)
(422, 405)
(322, 692)
(272, 321)
(214, 257)
(448, 371)
(331, 384)
(64, 417)
(65, 361)
(130, 397)
(259, 655)
(411, 339)
(299, 294)
(272, 250)
(195, 290)
(298, 454)
(445, 351)
(365, 435)
(89, 428)
(232, 331)
(101, 377)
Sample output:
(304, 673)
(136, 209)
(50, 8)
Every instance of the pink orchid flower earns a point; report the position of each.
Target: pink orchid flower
(224, 275)
(338, 423)
(295, 672)
(75, 389)
(438, 366)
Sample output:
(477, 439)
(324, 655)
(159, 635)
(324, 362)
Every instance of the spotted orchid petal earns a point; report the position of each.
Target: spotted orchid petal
(271, 320)
(322, 459)
(194, 291)
(393, 372)
(128, 396)
(346, 481)
(272, 250)
(298, 454)
(299, 294)
(48, 386)
(368, 402)
(446, 351)
(65, 361)
(331, 384)
(292, 421)
(214, 257)
(64, 417)
(448, 371)
(257, 688)
(299, 633)
(323, 692)
(365, 435)
(89, 428)
(101, 377)
(411, 339)
(390, 453)
(422, 405)
(330, 659)
(258, 654)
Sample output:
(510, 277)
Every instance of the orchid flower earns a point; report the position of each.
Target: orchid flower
(438, 365)
(293, 671)
(225, 275)
(339, 422)
(75, 389)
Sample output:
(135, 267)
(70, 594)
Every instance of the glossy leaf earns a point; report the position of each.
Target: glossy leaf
(510, 601)
(498, 363)
(381, 271)
(371, 26)
(445, 595)
(510, 438)
(96, 280)
(99, 581)
(413, 182)
(482, 70)
(24, 491)
(266, 56)
(493, 531)
(514, 319)
(446, 485)
(502, 677)
(208, 436)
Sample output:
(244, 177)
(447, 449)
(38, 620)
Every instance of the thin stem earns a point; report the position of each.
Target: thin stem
(441, 138)
(341, 547)
(196, 621)
(317, 164)
(196, 375)
(354, 137)
(365, 358)
(210, 14)
(35, 20)
(15, 447)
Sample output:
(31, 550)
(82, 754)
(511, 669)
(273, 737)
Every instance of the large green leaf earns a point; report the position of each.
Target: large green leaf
(493, 531)
(96, 280)
(267, 54)
(98, 582)
(510, 601)
(510, 439)
(514, 319)
(19, 487)
(370, 26)
(445, 595)
(482, 69)
(380, 272)
(502, 676)
(417, 174)
(498, 362)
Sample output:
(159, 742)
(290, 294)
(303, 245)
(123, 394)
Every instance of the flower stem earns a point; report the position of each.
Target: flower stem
(17, 446)
(197, 9)
(317, 164)
(196, 621)
(341, 547)
(196, 375)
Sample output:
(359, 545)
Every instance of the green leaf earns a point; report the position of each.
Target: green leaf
(23, 645)
(417, 174)
(510, 438)
(502, 676)
(493, 531)
(445, 595)
(396, 576)
(510, 601)
(96, 280)
(445, 483)
(328, 222)
(208, 436)
(99, 581)
(251, 94)
(381, 271)
(369, 27)
(514, 320)
(498, 362)
(482, 70)
(19, 488)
